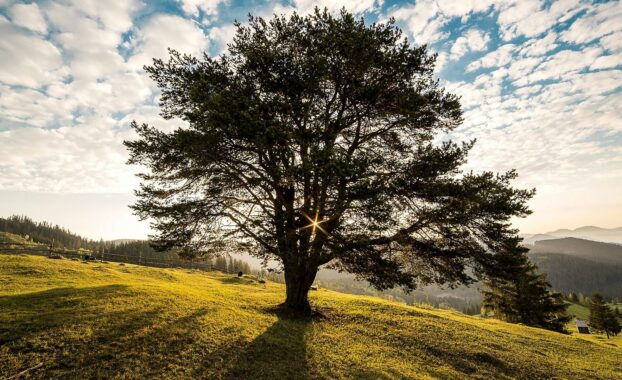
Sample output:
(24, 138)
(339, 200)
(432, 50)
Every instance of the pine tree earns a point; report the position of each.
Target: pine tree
(598, 310)
(612, 324)
(517, 293)
(602, 317)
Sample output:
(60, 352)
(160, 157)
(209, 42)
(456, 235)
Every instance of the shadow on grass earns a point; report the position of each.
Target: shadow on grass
(278, 353)
(67, 329)
(29, 313)
(115, 331)
(235, 280)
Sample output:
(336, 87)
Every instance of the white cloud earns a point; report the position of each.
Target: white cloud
(113, 15)
(166, 31)
(462, 8)
(86, 158)
(25, 106)
(539, 46)
(607, 61)
(29, 16)
(500, 57)
(562, 63)
(472, 40)
(192, 7)
(222, 35)
(612, 42)
(27, 60)
(423, 20)
(531, 18)
(441, 61)
(358, 6)
(601, 20)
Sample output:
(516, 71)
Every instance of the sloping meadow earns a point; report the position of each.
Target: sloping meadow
(109, 320)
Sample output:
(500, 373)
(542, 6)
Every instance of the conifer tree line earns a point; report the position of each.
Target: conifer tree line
(228, 264)
(576, 274)
(139, 251)
(602, 317)
(45, 233)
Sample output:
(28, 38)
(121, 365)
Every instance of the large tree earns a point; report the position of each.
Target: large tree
(317, 140)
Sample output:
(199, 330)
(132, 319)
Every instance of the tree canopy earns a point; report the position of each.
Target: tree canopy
(321, 140)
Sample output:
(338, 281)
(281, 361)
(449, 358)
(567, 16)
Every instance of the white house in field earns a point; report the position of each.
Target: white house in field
(582, 327)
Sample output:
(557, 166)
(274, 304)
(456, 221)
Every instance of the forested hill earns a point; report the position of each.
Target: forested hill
(568, 273)
(124, 250)
(580, 266)
(582, 248)
(45, 233)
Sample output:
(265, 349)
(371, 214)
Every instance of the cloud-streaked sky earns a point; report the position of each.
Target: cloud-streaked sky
(541, 87)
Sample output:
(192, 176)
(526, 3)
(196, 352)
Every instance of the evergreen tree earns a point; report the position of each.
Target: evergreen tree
(612, 324)
(515, 292)
(598, 311)
(312, 140)
(602, 317)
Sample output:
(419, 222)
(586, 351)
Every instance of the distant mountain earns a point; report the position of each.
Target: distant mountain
(582, 248)
(608, 235)
(568, 273)
(579, 265)
(531, 239)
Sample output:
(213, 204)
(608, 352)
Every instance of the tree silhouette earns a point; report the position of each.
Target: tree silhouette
(516, 292)
(312, 142)
(602, 317)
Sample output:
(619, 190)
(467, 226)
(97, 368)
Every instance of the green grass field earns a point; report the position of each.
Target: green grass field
(107, 320)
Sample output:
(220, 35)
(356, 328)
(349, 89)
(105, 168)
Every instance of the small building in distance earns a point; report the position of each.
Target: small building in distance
(582, 327)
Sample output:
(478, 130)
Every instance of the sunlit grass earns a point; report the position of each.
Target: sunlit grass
(109, 320)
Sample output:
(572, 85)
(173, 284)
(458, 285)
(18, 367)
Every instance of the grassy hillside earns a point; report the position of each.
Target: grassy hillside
(579, 311)
(9, 240)
(101, 320)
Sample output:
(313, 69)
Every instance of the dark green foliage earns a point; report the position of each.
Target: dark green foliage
(516, 292)
(602, 317)
(612, 324)
(598, 309)
(320, 118)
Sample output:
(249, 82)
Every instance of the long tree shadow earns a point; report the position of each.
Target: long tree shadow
(278, 353)
(66, 328)
(28, 313)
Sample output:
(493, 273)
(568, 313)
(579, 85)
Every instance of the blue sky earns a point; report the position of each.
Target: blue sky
(541, 87)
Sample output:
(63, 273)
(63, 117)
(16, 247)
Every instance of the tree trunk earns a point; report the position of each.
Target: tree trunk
(298, 281)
